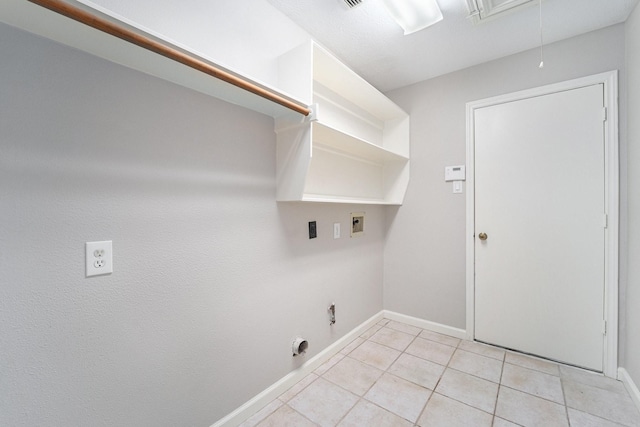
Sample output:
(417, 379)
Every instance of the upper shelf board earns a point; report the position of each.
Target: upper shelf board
(38, 20)
(351, 145)
(335, 75)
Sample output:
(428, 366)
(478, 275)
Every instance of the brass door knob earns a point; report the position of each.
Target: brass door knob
(482, 236)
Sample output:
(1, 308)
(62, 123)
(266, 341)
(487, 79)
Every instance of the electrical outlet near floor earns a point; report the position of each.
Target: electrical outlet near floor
(98, 258)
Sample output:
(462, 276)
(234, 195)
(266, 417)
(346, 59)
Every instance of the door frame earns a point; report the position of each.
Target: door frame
(610, 82)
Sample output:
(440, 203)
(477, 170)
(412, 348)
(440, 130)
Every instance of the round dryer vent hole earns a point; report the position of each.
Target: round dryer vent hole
(300, 346)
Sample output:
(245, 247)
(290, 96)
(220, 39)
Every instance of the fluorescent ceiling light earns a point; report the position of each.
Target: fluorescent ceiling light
(414, 15)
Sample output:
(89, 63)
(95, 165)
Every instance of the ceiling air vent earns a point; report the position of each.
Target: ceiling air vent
(352, 3)
(481, 10)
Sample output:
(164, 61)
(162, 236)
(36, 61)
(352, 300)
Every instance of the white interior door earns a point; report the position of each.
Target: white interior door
(540, 200)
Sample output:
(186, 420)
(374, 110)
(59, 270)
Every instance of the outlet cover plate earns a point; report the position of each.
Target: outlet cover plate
(98, 258)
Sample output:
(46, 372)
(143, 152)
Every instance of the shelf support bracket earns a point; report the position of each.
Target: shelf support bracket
(313, 112)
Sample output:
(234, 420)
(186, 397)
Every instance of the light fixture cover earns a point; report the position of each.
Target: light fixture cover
(414, 15)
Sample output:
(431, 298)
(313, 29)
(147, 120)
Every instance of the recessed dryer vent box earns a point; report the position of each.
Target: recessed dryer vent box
(357, 224)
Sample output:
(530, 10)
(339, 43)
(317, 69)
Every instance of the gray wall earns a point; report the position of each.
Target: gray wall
(212, 278)
(425, 247)
(632, 359)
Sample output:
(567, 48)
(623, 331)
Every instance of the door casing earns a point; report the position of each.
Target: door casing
(610, 82)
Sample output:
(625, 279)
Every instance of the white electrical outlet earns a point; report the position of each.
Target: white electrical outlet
(98, 258)
(336, 230)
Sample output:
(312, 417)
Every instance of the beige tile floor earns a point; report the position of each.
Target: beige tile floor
(400, 375)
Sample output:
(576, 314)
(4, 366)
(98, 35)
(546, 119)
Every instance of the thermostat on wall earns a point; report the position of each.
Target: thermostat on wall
(454, 173)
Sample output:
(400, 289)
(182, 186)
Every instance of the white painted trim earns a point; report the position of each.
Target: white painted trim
(631, 386)
(610, 82)
(426, 324)
(612, 173)
(470, 262)
(272, 392)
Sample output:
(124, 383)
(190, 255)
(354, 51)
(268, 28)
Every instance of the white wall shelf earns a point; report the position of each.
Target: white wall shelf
(355, 149)
(41, 21)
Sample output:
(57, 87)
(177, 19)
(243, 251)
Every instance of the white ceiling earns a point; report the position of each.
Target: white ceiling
(370, 42)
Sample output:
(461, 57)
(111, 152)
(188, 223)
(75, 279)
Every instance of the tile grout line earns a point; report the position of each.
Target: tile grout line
(303, 415)
(532, 395)
(502, 360)
(586, 411)
(386, 371)
(404, 352)
(424, 407)
(495, 405)
(362, 398)
(484, 379)
(439, 379)
(349, 411)
(564, 398)
(457, 347)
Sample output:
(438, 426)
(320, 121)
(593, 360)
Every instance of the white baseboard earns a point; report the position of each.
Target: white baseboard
(631, 387)
(258, 402)
(426, 324)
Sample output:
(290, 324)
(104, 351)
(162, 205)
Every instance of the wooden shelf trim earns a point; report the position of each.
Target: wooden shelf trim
(191, 61)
